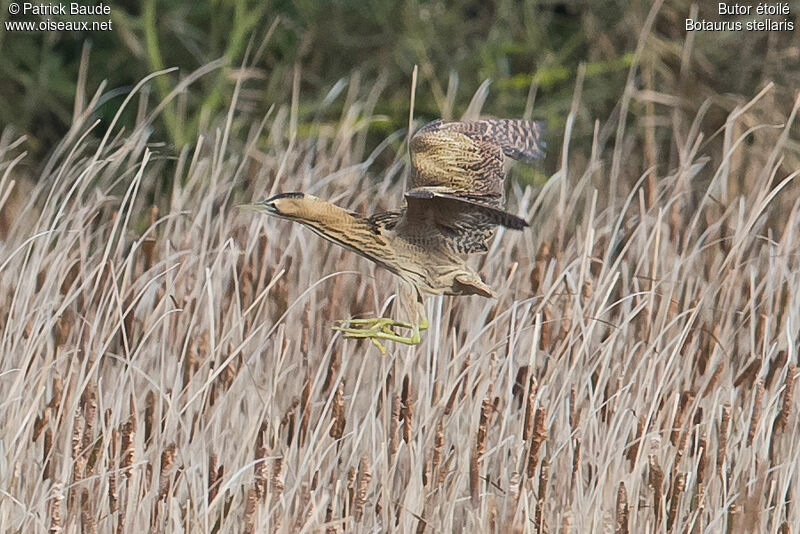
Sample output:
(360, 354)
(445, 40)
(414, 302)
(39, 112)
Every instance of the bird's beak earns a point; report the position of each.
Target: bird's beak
(260, 207)
(250, 207)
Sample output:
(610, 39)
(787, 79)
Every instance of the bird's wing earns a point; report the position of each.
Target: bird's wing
(465, 158)
(456, 186)
(460, 224)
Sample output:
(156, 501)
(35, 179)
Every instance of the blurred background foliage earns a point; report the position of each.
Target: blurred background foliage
(526, 47)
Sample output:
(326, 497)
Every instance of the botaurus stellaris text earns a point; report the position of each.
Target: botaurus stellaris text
(453, 203)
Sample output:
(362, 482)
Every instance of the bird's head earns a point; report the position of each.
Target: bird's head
(285, 205)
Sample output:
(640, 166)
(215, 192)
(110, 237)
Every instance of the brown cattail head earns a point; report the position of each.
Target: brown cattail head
(483, 421)
(89, 401)
(656, 481)
(47, 447)
(149, 411)
(213, 479)
(574, 411)
(622, 510)
(633, 449)
(260, 470)
(722, 441)
(55, 508)
(544, 478)
(167, 460)
(538, 436)
(276, 476)
(474, 479)
(337, 412)
(250, 506)
(678, 486)
(394, 428)
(88, 524)
(788, 392)
(127, 443)
(527, 424)
(407, 410)
(759, 394)
(438, 444)
(305, 407)
(361, 487)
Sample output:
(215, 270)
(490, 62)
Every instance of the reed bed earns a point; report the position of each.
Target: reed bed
(167, 363)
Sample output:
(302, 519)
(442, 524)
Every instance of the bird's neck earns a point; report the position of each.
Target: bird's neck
(362, 235)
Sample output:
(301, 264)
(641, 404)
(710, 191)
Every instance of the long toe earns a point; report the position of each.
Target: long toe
(378, 344)
(359, 333)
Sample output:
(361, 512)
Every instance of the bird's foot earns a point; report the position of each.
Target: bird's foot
(380, 328)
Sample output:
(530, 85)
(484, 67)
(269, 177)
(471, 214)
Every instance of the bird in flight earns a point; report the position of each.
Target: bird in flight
(454, 200)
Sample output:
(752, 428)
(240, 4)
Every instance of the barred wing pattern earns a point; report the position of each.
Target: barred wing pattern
(456, 184)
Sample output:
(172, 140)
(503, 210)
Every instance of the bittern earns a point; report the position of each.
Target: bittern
(453, 203)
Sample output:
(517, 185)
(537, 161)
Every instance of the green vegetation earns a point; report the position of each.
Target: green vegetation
(457, 45)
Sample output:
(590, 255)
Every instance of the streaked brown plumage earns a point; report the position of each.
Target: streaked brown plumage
(454, 202)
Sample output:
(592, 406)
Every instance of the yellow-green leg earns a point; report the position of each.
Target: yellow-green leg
(381, 328)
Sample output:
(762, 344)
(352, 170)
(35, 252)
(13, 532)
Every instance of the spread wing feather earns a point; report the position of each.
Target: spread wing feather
(456, 185)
